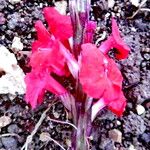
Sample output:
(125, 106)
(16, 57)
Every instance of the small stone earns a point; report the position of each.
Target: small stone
(13, 20)
(61, 6)
(107, 144)
(2, 19)
(115, 135)
(11, 97)
(9, 143)
(44, 136)
(133, 29)
(146, 56)
(147, 50)
(4, 121)
(3, 4)
(118, 123)
(14, 1)
(140, 109)
(148, 105)
(134, 124)
(13, 128)
(3, 37)
(56, 115)
(22, 20)
(68, 142)
(16, 44)
(135, 2)
(40, 5)
(131, 147)
(111, 3)
(146, 138)
(13, 79)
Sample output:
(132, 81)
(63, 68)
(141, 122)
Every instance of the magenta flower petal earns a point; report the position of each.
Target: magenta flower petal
(114, 81)
(60, 25)
(37, 84)
(45, 59)
(101, 79)
(99, 75)
(123, 49)
(44, 38)
(118, 106)
(45, 51)
(106, 45)
(42, 33)
(35, 89)
(92, 71)
(115, 41)
(114, 73)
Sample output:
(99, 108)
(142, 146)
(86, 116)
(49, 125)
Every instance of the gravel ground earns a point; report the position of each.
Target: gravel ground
(130, 132)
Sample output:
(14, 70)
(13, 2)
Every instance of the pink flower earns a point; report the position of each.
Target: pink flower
(92, 71)
(60, 25)
(48, 56)
(115, 41)
(45, 51)
(97, 73)
(37, 84)
(99, 76)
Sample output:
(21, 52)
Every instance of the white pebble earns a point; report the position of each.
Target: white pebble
(68, 142)
(140, 109)
(61, 6)
(131, 147)
(133, 29)
(16, 44)
(135, 2)
(13, 80)
(4, 121)
(111, 3)
(14, 1)
(44, 136)
(118, 123)
(115, 135)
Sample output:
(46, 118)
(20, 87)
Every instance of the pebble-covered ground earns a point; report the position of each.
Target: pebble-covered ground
(130, 132)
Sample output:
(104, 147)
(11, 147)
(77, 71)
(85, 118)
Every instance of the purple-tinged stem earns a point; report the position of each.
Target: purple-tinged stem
(79, 12)
(80, 136)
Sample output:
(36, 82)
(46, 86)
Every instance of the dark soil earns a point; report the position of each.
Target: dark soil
(18, 20)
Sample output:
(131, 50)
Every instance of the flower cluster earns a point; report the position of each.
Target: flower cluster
(97, 72)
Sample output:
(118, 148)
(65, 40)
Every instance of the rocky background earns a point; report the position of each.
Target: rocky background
(17, 120)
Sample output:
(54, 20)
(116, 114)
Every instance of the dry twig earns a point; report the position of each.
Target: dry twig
(43, 116)
(139, 9)
(9, 134)
(51, 139)
(30, 137)
(63, 122)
